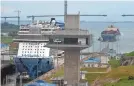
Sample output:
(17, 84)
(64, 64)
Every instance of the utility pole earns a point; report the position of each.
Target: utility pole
(18, 11)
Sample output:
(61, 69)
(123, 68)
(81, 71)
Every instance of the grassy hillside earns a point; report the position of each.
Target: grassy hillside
(122, 72)
(130, 54)
(122, 82)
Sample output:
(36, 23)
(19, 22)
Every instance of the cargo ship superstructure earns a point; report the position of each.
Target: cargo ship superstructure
(33, 57)
(111, 34)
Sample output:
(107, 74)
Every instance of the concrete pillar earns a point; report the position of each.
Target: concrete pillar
(72, 22)
(72, 66)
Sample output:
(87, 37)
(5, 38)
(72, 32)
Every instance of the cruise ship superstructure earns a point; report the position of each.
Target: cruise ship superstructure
(33, 57)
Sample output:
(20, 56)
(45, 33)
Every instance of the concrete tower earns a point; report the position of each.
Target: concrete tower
(72, 39)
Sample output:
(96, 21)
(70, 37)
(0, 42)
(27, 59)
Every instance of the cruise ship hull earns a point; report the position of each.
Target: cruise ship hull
(33, 66)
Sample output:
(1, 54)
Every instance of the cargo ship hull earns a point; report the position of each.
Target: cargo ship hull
(110, 38)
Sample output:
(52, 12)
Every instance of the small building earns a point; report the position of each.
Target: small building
(92, 62)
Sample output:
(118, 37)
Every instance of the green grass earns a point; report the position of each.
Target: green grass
(90, 77)
(6, 40)
(114, 63)
(59, 73)
(120, 72)
(122, 82)
(11, 60)
(94, 69)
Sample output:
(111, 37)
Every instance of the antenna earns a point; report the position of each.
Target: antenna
(65, 10)
(65, 7)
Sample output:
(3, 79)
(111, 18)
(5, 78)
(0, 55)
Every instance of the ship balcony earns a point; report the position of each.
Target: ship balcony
(30, 38)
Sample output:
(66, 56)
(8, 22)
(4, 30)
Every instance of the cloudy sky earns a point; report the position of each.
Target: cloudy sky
(114, 9)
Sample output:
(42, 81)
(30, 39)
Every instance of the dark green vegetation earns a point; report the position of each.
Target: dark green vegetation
(130, 54)
(6, 27)
(11, 60)
(91, 77)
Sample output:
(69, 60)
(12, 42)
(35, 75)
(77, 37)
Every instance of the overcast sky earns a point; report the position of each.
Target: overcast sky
(114, 9)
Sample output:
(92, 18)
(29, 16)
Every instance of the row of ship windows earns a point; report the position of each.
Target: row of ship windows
(31, 52)
(32, 55)
(33, 46)
(33, 49)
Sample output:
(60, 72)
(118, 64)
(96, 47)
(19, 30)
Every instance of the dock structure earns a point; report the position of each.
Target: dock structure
(72, 39)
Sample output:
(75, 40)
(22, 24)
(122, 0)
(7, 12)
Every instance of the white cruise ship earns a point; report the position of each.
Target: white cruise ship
(33, 57)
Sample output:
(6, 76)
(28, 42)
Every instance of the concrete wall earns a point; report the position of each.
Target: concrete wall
(72, 66)
(72, 22)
